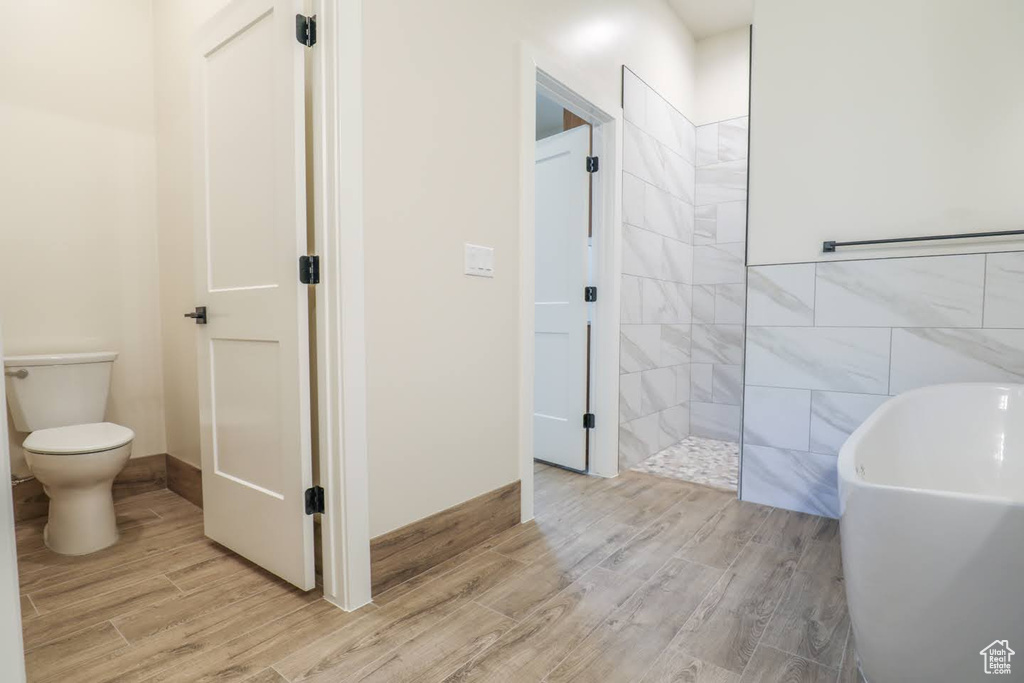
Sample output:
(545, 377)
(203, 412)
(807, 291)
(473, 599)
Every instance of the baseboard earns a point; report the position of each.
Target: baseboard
(399, 555)
(185, 479)
(140, 475)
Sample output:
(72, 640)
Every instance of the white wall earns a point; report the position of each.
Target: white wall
(175, 21)
(723, 76)
(78, 263)
(882, 119)
(442, 116)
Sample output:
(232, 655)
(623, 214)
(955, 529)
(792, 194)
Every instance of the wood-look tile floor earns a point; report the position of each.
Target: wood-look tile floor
(637, 578)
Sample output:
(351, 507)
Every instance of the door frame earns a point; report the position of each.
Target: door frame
(340, 310)
(541, 71)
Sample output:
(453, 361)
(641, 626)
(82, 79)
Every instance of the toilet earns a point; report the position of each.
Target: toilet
(61, 400)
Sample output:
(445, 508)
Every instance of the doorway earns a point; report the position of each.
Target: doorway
(562, 315)
(569, 289)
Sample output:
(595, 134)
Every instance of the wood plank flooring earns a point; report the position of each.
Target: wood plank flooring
(634, 579)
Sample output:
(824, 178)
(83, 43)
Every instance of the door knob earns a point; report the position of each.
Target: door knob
(199, 316)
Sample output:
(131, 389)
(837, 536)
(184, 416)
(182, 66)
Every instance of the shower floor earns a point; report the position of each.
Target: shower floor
(697, 460)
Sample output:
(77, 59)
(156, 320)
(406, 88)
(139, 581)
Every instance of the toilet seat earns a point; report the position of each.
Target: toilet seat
(78, 439)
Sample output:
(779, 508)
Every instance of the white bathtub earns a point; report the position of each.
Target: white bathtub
(931, 496)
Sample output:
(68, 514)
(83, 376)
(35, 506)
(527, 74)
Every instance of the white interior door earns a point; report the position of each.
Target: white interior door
(562, 200)
(250, 231)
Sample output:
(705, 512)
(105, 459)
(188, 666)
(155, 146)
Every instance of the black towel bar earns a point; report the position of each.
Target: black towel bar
(831, 245)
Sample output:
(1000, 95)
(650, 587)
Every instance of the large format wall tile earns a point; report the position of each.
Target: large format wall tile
(781, 296)
(633, 190)
(777, 417)
(924, 356)
(826, 358)
(673, 425)
(657, 390)
(642, 252)
(707, 145)
(653, 162)
(731, 222)
(835, 415)
(638, 440)
(717, 344)
(1004, 290)
(678, 260)
(727, 384)
(675, 345)
(631, 301)
(639, 347)
(704, 304)
(719, 264)
(668, 215)
(853, 333)
(732, 139)
(669, 127)
(702, 383)
(729, 300)
(629, 397)
(715, 421)
(722, 182)
(659, 149)
(667, 303)
(939, 291)
(794, 480)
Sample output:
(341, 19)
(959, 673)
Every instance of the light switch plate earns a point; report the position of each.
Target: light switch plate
(479, 260)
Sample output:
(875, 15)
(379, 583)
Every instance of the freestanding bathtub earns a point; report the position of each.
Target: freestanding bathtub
(931, 497)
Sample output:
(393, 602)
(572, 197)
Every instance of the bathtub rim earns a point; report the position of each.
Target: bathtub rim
(847, 473)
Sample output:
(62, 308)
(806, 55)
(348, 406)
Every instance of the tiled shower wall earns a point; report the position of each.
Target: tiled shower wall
(827, 343)
(657, 281)
(719, 240)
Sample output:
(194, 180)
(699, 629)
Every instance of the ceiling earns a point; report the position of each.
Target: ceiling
(710, 17)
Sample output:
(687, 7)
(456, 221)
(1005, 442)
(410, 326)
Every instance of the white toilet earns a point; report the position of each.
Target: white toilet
(61, 400)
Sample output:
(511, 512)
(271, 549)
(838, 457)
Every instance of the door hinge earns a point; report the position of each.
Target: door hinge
(309, 270)
(305, 30)
(590, 293)
(314, 500)
(592, 164)
(588, 420)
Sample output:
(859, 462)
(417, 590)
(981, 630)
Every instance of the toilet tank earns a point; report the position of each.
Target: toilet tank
(57, 390)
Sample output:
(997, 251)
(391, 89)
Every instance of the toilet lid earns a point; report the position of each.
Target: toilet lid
(90, 438)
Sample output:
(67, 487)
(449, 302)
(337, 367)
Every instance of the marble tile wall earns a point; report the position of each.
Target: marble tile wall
(719, 276)
(658, 187)
(828, 343)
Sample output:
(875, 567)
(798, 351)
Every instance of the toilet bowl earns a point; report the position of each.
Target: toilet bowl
(60, 400)
(76, 466)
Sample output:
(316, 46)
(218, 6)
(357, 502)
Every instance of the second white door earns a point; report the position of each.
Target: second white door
(253, 350)
(560, 312)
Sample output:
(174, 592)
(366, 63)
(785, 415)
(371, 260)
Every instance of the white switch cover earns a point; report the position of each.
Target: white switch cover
(479, 260)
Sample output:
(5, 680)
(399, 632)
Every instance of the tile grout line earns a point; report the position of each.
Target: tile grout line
(97, 623)
(625, 600)
(126, 641)
(782, 597)
(727, 571)
(179, 587)
(129, 584)
(710, 589)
